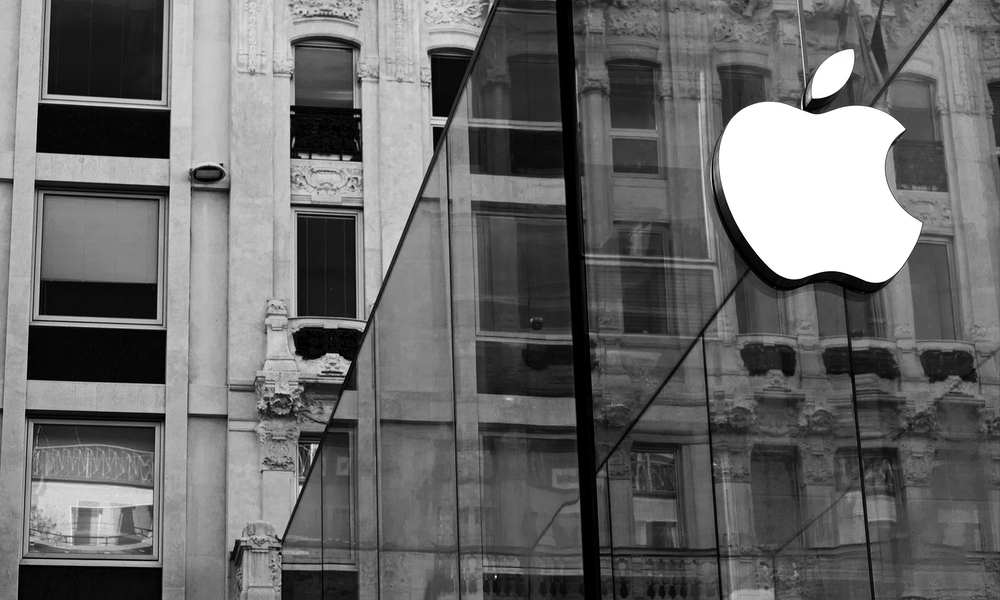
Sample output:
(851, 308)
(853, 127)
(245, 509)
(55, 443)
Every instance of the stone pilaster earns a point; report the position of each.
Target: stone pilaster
(257, 559)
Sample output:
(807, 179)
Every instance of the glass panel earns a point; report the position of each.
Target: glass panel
(109, 49)
(93, 491)
(326, 266)
(631, 101)
(99, 257)
(324, 76)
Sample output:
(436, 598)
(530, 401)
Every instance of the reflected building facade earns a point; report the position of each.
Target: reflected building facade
(749, 443)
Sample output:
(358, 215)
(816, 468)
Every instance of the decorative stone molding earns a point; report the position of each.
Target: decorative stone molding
(279, 440)
(348, 10)
(257, 558)
(470, 13)
(326, 181)
(279, 394)
(757, 33)
(748, 8)
(283, 66)
(368, 68)
(425, 75)
(252, 36)
(817, 460)
(917, 458)
(593, 80)
(278, 357)
(732, 463)
(639, 18)
(398, 66)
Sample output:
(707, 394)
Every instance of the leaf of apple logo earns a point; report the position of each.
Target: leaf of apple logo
(804, 195)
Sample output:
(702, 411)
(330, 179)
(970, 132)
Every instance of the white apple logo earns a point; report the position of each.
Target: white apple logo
(804, 195)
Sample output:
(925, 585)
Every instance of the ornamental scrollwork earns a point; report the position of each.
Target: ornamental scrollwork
(334, 181)
(349, 10)
(456, 12)
(634, 18)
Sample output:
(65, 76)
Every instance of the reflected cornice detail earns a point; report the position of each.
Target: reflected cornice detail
(470, 13)
(640, 18)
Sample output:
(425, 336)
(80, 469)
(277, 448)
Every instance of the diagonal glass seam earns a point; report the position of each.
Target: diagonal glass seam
(680, 361)
(439, 148)
(909, 53)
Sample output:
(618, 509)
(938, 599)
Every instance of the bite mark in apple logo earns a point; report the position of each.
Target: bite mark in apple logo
(803, 194)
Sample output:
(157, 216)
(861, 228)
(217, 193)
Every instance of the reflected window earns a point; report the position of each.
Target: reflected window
(447, 70)
(759, 308)
(100, 259)
(111, 50)
(919, 154)
(741, 87)
(774, 485)
(654, 498)
(632, 104)
(882, 481)
(307, 449)
(534, 88)
(958, 499)
(530, 492)
(327, 273)
(932, 292)
(93, 491)
(523, 274)
(325, 121)
(865, 313)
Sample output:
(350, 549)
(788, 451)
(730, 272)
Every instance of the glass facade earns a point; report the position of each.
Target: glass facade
(739, 442)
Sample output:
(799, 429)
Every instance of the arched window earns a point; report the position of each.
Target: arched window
(326, 122)
(919, 153)
(447, 70)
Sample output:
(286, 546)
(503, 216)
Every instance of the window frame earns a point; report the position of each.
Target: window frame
(111, 322)
(439, 122)
(162, 103)
(153, 560)
(640, 447)
(956, 308)
(541, 212)
(325, 42)
(317, 437)
(637, 134)
(359, 274)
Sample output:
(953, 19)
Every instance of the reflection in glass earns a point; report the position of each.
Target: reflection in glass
(93, 490)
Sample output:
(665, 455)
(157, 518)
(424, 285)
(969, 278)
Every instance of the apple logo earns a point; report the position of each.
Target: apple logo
(803, 193)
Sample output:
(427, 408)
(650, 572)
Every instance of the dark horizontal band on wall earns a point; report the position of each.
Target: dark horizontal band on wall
(97, 354)
(103, 131)
(45, 582)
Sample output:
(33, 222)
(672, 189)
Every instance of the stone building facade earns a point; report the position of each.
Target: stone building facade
(172, 346)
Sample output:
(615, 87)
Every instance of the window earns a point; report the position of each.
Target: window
(918, 154)
(325, 121)
(307, 449)
(741, 87)
(634, 135)
(660, 296)
(523, 274)
(112, 50)
(865, 313)
(99, 259)
(93, 491)
(447, 71)
(327, 274)
(759, 308)
(931, 286)
(774, 485)
(654, 498)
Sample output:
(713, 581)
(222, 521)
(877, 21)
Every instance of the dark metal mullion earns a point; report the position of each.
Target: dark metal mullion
(585, 442)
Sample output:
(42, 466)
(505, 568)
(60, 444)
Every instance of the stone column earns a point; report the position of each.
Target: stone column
(257, 558)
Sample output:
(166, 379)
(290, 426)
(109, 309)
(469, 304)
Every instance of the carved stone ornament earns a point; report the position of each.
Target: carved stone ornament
(279, 440)
(349, 10)
(333, 365)
(820, 421)
(251, 54)
(917, 457)
(328, 181)
(257, 557)
(732, 464)
(398, 66)
(279, 394)
(817, 459)
(639, 18)
(748, 8)
(368, 68)
(425, 75)
(934, 213)
(283, 66)
(470, 13)
(593, 80)
(757, 33)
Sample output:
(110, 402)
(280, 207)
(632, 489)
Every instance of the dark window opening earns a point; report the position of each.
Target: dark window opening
(326, 267)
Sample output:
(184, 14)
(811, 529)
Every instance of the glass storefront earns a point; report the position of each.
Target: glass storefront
(745, 443)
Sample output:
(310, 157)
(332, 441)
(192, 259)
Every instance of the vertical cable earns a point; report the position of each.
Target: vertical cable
(802, 41)
(857, 431)
(585, 443)
(711, 460)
